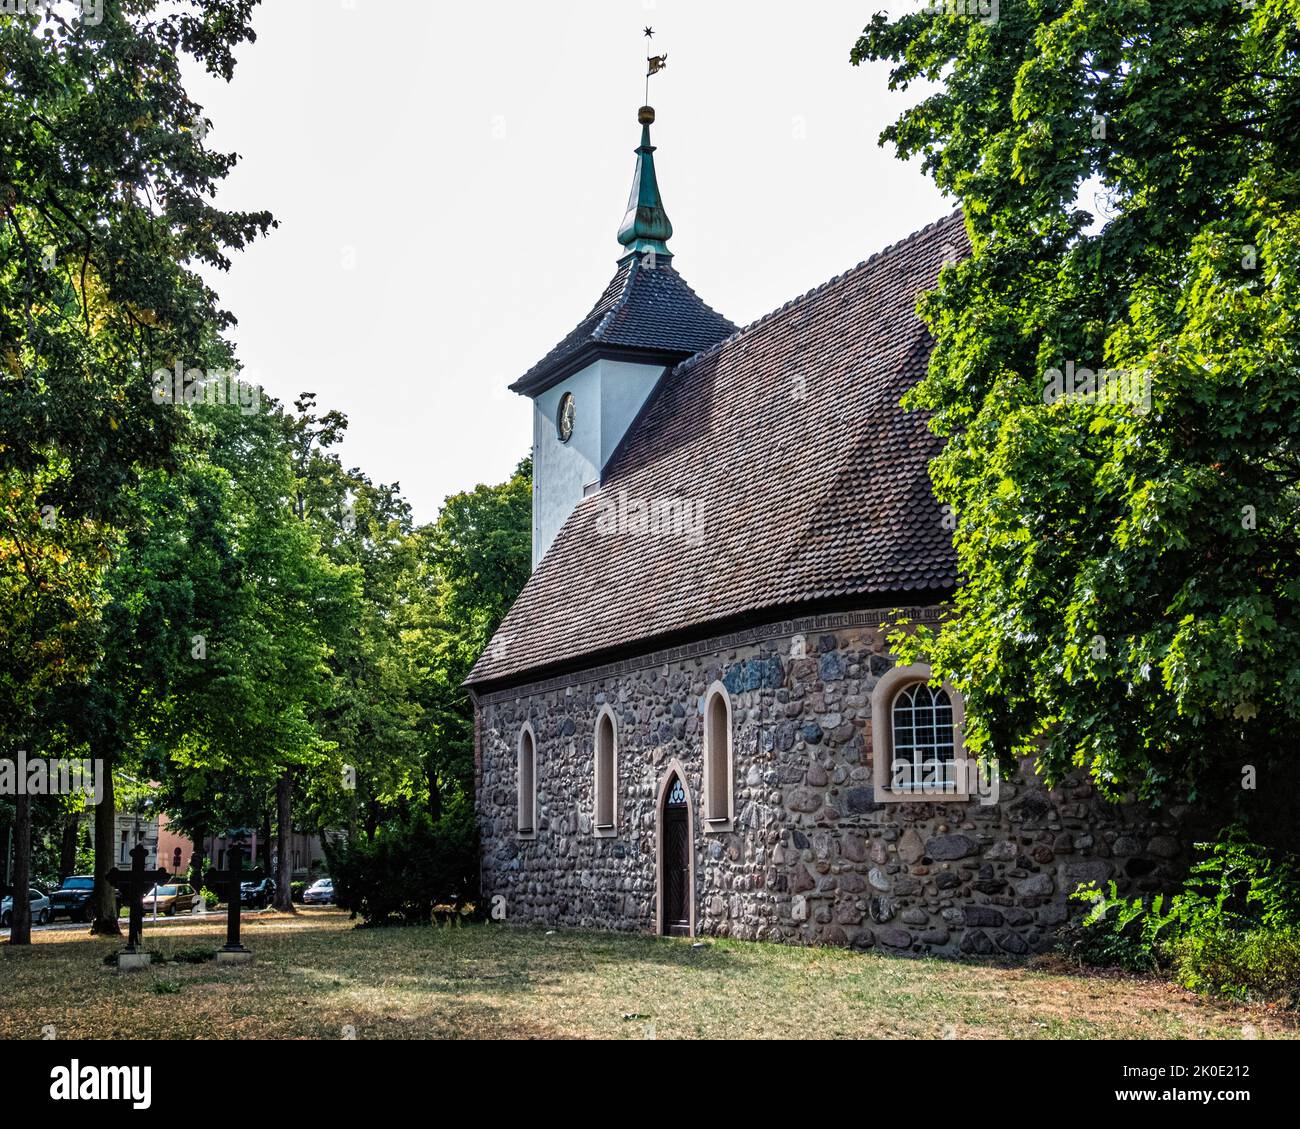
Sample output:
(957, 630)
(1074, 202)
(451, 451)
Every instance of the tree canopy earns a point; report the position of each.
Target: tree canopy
(1128, 540)
(194, 591)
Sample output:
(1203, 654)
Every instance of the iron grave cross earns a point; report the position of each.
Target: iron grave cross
(231, 881)
(133, 884)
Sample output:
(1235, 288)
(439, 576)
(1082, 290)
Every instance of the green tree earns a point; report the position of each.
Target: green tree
(297, 606)
(376, 721)
(476, 559)
(1130, 600)
(105, 210)
(432, 598)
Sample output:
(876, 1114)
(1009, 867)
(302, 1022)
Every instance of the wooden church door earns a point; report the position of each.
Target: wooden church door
(676, 861)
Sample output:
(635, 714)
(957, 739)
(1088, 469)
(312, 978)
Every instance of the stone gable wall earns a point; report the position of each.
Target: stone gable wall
(814, 857)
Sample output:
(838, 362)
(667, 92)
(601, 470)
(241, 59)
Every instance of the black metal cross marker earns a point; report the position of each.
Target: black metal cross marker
(133, 884)
(231, 882)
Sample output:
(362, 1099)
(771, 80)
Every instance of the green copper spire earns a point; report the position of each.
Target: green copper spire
(646, 226)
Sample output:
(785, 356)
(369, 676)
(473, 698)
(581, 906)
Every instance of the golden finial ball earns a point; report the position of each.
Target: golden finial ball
(646, 115)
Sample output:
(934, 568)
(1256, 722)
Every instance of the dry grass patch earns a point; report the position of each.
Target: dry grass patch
(318, 977)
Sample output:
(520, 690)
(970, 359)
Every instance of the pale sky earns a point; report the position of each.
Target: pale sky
(449, 180)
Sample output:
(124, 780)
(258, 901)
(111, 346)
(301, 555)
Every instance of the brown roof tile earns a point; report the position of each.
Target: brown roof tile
(786, 441)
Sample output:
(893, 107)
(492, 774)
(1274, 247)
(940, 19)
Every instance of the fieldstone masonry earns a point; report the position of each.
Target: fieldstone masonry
(814, 857)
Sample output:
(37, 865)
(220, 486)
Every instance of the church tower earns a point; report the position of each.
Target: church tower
(589, 389)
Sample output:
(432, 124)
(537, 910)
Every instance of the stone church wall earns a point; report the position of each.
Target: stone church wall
(814, 858)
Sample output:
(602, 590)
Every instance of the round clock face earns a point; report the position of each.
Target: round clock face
(564, 418)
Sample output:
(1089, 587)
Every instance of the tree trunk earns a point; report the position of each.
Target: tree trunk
(20, 932)
(265, 844)
(284, 842)
(68, 846)
(104, 901)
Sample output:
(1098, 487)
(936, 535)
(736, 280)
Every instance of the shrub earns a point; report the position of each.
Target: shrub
(210, 898)
(1259, 963)
(1239, 885)
(408, 868)
(1233, 928)
(1116, 932)
(296, 890)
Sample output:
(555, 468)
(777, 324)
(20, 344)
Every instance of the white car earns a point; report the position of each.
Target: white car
(40, 909)
(319, 893)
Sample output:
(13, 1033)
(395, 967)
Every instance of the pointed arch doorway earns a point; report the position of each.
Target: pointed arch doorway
(676, 857)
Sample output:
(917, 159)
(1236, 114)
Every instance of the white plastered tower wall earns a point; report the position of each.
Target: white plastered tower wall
(607, 395)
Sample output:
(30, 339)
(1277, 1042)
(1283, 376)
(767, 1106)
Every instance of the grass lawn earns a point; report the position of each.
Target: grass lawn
(316, 976)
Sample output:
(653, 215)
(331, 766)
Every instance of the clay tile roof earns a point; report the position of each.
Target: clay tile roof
(643, 308)
(804, 482)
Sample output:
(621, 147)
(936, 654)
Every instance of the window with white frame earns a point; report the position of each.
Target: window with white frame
(917, 750)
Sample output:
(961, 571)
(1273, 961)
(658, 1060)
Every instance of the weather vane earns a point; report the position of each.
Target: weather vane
(654, 63)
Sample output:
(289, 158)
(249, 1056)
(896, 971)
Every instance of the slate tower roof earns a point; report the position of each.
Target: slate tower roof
(647, 313)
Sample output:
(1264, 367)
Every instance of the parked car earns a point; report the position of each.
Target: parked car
(319, 893)
(171, 898)
(72, 898)
(259, 895)
(40, 909)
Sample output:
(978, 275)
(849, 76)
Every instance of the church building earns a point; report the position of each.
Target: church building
(690, 722)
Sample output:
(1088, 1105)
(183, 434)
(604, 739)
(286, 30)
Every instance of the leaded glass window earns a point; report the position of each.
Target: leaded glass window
(924, 750)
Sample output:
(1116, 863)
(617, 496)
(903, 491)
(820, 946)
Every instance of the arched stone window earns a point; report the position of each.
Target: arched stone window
(606, 772)
(719, 762)
(527, 784)
(916, 740)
